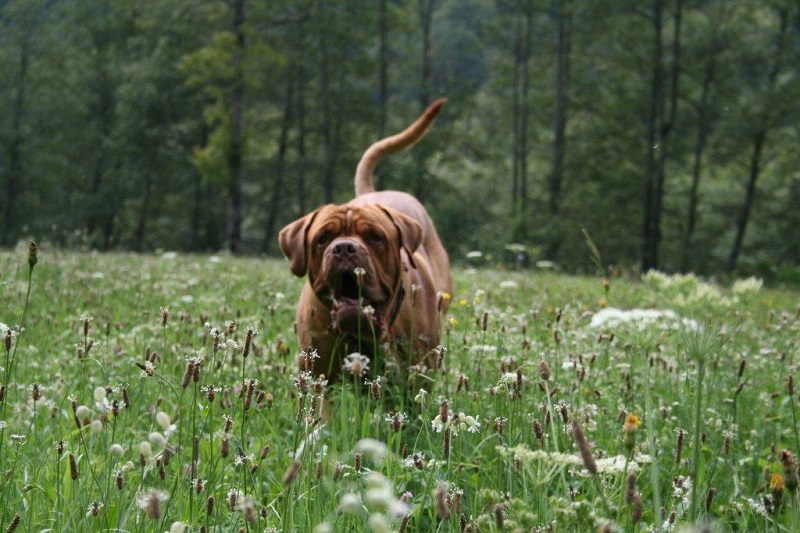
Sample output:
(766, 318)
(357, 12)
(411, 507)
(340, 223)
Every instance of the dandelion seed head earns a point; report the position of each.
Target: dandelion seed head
(100, 394)
(373, 449)
(145, 449)
(116, 450)
(157, 439)
(378, 523)
(350, 503)
(163, 419)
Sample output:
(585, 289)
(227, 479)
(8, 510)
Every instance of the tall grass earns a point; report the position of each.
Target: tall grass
(154, 393)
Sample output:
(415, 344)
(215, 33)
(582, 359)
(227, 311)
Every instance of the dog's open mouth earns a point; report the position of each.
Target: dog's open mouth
(351, 309)
(346, 286)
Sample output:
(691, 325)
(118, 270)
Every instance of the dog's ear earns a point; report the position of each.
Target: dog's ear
(409, 229)
(292, 239)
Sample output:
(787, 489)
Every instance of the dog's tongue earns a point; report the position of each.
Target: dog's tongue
(346, 313)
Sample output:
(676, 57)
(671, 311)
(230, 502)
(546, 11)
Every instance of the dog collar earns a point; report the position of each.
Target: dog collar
(398, 304)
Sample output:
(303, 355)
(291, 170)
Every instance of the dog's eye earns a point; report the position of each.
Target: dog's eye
(375, 238)
(322, 239)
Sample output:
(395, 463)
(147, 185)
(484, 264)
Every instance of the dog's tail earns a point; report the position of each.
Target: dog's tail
(390, 145)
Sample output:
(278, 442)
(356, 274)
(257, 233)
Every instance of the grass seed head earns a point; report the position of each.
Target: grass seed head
(544, 371)
(584, 448)
(638, 508)
(291, 472)
(14, 524)
(210, 505)
(33, 256)
(74, 473)
(440, 502)
(499, 515)
(710, 493)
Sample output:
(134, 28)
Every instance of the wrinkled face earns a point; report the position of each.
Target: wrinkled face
(353, 259)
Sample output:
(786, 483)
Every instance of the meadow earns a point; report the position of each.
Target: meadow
(162, 393)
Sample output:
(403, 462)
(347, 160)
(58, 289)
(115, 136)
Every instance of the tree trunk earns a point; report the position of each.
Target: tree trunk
(98, 212)
(234, 223)
(650, 230)
(559, 125)
(198, 200)
(301, 120)
(699, 149)
(749, 197)
(522, 52)
(758, 147)
(667, 126)
(327, 104)
(426, 8)
(144, 208)
(383, 67)
(14, 178)
(283, 145)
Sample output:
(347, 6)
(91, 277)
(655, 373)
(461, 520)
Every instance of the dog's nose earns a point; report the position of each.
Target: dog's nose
(345, 249)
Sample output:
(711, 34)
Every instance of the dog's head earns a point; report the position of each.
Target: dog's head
(353, 256)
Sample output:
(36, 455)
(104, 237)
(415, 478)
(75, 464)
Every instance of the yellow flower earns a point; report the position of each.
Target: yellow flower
(776, 483)
(629, 429)
(776, 489)
(602, 302)
(632, 423)
(462, 302)
(452, 321)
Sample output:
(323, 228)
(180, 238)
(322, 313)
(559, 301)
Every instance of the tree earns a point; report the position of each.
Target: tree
(23, 17)
(765, 118)
(564, 28)
(661, 124)
(523, 34)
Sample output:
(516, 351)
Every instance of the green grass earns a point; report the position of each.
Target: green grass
(722, 387)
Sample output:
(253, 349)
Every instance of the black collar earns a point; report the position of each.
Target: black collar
(398, 304)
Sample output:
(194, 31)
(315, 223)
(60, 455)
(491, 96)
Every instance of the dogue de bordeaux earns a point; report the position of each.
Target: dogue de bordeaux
(378, 276)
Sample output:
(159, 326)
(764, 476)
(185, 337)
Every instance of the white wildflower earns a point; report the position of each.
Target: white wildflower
(379, 523)
(373, 449)
(350, 503)
(420, 397)
(356, 364)
(157, 439)
(163, 420)
(747, 286)
(116, 450)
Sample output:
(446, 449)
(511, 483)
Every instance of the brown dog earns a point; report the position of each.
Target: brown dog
(378, 275)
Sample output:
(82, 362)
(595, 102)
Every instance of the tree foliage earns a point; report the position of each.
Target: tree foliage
(667, 130)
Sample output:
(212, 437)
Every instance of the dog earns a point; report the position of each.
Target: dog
(378, 277)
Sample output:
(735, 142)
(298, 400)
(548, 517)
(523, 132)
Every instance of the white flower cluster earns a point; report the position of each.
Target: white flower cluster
(612, 318)
(456, 423)
(378, 499)
(607, 465)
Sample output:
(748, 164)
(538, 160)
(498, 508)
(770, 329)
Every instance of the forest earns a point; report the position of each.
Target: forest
(593, 134)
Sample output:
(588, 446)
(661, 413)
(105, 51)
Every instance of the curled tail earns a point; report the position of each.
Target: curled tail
(405, 139)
